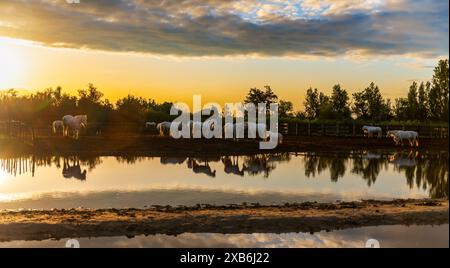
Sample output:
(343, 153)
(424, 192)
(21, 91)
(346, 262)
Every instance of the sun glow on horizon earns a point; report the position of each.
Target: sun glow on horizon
(12, 66)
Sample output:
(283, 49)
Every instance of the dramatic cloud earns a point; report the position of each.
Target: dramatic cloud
(232, 27)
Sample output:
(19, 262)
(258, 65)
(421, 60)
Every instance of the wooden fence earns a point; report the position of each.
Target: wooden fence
(15, 129)
(19, 130)
(355, 129)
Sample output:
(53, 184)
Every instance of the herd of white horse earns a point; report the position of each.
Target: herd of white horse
(229, 130)
(399, 136)
(72, 125)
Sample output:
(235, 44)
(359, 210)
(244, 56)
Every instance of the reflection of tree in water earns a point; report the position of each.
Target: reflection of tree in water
(316, 164)
(426, 171)
(131, 159)
(263, 163)
(69, 164)
(368, 166)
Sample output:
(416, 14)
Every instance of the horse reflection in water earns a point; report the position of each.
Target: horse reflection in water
(198, 165)
(404, 160)
(231, 165)
(201, 165)
(73, 170)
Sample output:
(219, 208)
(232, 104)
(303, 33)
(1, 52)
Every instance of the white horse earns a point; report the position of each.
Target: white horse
(74, 124)
(58, 125)
(370, 130)
(400, 135)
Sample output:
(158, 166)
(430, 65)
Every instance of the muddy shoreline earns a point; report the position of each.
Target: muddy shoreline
(166, 146)
(245, 218)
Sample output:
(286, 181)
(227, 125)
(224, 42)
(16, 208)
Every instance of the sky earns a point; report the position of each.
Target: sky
(170, 50)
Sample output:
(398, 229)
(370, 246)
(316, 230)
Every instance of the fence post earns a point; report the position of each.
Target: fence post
(321, 129)
(309, 129)
(296, 129)
(337, 129)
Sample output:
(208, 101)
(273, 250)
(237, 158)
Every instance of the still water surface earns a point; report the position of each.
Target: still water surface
(33, 182)
(388, 237)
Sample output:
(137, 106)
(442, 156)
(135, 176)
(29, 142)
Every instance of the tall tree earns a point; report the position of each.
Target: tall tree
(422, 102)
(256, 96)
(370, 105)
(285, 108)
(339, 102)
(312, 103)
(412, 102)
(438, 95)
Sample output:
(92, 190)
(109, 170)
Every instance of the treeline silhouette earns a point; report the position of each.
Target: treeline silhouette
(425, 101)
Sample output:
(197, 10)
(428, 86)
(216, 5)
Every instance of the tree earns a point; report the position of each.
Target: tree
(256, 96)
(285, 108)
(90, 102)
(422, 102)
(438, 95)
(412, 102)
(132, 108)
(370, 105)
(401, 109)
(339, 102)
(312, 103)
(91, 94)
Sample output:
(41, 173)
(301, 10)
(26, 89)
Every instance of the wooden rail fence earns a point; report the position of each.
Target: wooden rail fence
(19, 130)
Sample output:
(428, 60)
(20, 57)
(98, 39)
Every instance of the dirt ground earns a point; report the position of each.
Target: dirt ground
(165, 146)
(246, 218)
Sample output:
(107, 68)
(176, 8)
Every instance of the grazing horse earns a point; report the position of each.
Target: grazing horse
(400, 135)
(58, 125)
(370, 131)
(74, 124)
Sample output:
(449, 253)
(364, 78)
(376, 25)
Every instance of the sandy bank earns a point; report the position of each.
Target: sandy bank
(304, 217)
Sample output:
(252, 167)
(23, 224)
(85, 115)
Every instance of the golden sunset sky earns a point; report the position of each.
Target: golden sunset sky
(170, 50)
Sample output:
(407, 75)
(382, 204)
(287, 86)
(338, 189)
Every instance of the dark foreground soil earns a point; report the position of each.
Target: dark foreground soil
(163, 146)
(304, 217)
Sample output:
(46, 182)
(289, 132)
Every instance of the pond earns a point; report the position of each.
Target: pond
(387, 236)
(45, 182)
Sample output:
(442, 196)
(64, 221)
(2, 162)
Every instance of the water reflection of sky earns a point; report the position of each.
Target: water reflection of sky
(136, 182)
(388, 236)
